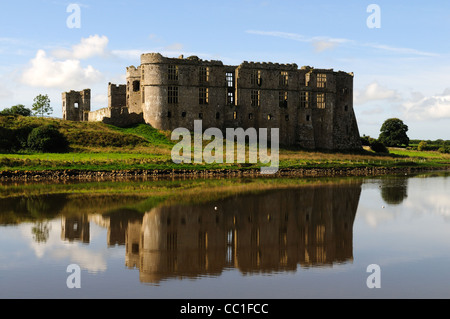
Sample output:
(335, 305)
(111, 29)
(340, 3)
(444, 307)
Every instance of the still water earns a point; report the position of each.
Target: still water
(313, 241)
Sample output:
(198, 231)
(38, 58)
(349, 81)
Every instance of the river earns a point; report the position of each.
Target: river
(375, 237)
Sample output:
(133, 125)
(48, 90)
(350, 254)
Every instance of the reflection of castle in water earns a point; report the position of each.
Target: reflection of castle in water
(274, 231)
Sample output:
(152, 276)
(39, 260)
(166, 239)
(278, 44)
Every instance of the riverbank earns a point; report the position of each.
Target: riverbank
(88, 175)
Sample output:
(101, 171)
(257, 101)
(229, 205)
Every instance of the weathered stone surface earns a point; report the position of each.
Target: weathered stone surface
(312, 108)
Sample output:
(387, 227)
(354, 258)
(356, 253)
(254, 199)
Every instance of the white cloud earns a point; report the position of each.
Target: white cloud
(374, 92)
(320, 44)
(421, 107)
(45, 71)
(174, 47)
(404, 51)
(89, 47)
(327, 43)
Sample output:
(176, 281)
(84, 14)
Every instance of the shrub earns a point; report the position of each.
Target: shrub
(422, 146)
(6, 140)
(444, 149)
(47, 138)
(378, 147)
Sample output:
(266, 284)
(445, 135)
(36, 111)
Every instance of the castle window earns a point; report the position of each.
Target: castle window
(255, 97)
(283, 98)
(172, 95)
(235, 115)
(229, 77)
(200, 115)
(203, 96)
(169, 114)
(136, 86)
(250, 116)
(286, 117)
(203, 75)
(173, 73)
(75, 105)
(320, 100)
(304, 99)
(321, 80)
(308, 118)
(183, 114)
(269, 117)
(346, 108)
(230, 98)
(217, 115)
(255, 77)
(284, 78)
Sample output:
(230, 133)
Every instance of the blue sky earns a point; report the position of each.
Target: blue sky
(401, 69)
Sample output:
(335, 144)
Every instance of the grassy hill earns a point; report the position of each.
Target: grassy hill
(102, 147)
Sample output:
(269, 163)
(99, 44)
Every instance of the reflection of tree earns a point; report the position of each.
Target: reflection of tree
(40, 231)
(394, 190)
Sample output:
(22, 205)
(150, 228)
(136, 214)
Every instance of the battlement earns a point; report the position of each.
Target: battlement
(269, 66)
(157, 58)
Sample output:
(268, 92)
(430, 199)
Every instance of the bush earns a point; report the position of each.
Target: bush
(367, 140)
(422, 146)
(6, 140)
(47, 138)
(378, 147)
(444, 149)
(16, 110)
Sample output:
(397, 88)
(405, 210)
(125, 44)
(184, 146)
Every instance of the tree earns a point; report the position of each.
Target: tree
(18, 109)
(42, 106)
(393, 133)
(422, 146)
(47, 138)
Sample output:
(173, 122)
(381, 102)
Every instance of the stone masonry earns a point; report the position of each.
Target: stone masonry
(312, 108)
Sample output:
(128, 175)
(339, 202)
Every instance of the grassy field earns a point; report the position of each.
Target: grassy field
(101, 147)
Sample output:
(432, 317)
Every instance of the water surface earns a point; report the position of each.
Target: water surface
(306, 241)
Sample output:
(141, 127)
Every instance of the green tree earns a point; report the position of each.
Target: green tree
(18, 109)
(42, 106)
(422, 146)
(393, 133)
(47, 138)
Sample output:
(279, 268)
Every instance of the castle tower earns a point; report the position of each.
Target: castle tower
(117, 97)
(134, 88)
(76, 105)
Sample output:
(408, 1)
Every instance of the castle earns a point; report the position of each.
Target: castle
(313, 108)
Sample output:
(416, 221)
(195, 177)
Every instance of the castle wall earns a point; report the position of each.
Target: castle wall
(76, 105)
(117, 95)
(312, 108)
(134, 89)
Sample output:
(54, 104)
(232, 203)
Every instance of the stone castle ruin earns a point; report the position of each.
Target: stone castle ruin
(313, 108)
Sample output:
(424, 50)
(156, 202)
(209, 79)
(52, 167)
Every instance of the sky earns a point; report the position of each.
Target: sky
(398, 52)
